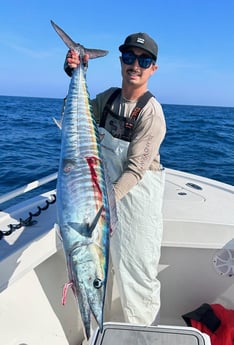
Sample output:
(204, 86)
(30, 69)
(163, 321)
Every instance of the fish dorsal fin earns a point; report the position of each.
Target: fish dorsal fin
(86, 229)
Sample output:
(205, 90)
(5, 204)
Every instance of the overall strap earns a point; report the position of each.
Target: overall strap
(107, 107)
(142, 101)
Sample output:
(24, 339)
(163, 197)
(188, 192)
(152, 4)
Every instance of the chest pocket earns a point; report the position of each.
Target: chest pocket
(118, 126)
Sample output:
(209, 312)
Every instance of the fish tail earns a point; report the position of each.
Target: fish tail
(93, 53)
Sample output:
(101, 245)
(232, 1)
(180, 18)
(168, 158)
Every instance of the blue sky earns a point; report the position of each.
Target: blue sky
(195, 38)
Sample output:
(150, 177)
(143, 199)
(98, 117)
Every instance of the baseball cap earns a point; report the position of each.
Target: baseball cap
(140, 40)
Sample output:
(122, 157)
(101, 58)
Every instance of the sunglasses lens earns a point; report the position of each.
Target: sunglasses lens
(129, 58)
(144, 61)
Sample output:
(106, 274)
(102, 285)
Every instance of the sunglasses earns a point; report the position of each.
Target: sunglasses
(144, 61)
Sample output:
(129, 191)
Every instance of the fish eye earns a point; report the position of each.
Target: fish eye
(97, 283)
(67, 168)
(68, 165)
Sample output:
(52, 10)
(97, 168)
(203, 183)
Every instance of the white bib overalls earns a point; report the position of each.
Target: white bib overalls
(136, 242)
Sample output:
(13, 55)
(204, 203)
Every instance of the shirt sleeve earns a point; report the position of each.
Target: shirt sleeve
(148, 134)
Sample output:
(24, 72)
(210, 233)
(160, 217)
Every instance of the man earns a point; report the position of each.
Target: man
(134, 128)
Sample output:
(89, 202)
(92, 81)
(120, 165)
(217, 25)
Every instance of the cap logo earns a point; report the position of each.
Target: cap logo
(140, 40)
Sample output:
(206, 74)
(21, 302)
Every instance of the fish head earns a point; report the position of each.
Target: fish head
(89, 276)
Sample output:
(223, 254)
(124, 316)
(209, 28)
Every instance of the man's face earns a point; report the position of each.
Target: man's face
(135, 75)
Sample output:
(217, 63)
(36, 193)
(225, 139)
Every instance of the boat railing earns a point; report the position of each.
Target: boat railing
(27, 188)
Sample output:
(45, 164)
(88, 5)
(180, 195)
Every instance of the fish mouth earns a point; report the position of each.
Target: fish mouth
(89, 303)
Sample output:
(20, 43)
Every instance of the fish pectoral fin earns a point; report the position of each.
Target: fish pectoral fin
(82, 228)
(86, 229)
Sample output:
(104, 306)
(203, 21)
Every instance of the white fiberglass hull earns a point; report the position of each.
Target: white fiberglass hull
(197, 224)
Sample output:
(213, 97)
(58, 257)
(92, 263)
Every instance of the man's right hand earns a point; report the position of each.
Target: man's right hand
(73, 59)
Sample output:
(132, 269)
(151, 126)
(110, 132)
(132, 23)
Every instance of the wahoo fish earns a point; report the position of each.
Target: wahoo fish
(85, 198)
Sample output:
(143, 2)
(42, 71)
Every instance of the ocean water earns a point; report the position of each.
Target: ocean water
(199, 140)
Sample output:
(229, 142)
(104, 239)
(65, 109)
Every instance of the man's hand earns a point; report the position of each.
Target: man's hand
(73, 59)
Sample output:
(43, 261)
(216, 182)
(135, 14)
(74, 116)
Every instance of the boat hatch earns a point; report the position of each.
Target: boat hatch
(126, 334)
